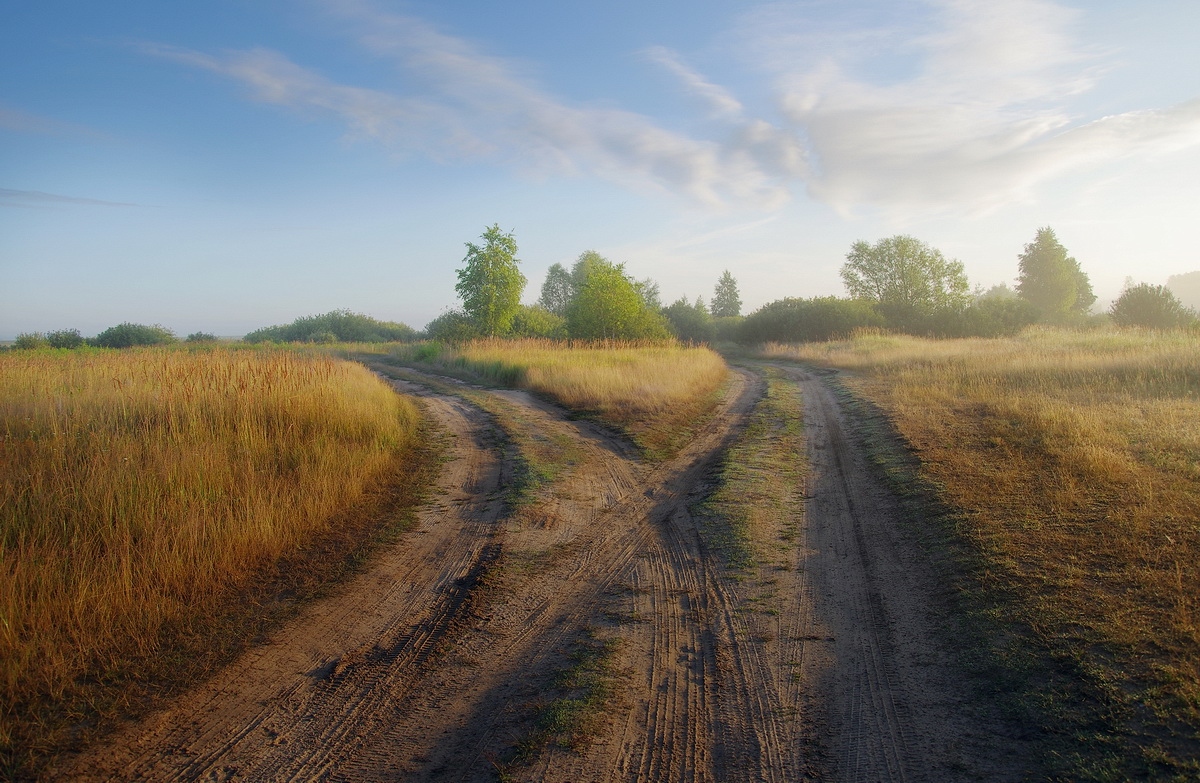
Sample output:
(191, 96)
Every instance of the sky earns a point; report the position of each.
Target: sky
(228, 165)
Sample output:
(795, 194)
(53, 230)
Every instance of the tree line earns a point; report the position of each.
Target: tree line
(899, 284)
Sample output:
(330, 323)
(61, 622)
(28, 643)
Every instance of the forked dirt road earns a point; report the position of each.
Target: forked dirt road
(818, 663)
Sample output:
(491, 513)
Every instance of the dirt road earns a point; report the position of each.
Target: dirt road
(818, 663)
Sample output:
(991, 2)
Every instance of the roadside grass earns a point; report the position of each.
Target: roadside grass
(157, 506)
(657, 393)
(760, 481)
(1071, 464)
(574, 711)
(539, 458)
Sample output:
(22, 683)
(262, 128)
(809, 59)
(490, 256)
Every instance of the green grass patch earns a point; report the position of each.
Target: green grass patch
(760, 481)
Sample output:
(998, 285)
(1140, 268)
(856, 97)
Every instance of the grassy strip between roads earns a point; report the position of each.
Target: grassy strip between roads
(657, 393)
(760, 483)
(1070, 464)
(159, 507)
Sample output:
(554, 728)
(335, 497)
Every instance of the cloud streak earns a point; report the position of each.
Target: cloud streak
(980, 115)
(33, 199)
(981, 121)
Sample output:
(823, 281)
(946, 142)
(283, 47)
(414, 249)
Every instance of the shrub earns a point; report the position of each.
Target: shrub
(538, 322)
(1151, 306)
(794, 320)
(201, 337)
(690, 322)
(65, 338)
(452, 326)
(127, 335)
(30, 340)
(344, 325)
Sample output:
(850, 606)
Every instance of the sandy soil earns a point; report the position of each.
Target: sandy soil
(821, 664)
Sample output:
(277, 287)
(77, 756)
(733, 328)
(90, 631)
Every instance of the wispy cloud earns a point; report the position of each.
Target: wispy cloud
(983, 116)
(473, 105)
(965, 107)
(13, 119)
(719, 101)
(33, 199)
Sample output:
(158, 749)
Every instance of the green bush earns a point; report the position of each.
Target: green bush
(128, 335)
(65, 338)
(818, 319)
(1150, 306)
(537, 321)
(27, 341)
(345, 326)
(452, 326)
(201, 337)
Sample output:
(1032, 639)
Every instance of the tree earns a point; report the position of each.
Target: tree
(558, 290)
(690, 322)
(1151, 306)
(608, 306)
(909, 281)
(490, 284)
(1052, 281)
(725, 301)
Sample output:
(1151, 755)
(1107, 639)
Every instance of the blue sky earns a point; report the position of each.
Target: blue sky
(223, 166)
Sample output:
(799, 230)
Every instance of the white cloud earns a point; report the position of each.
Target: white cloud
(966, 106)
(719, 100)
(477, 106)
(982, 117)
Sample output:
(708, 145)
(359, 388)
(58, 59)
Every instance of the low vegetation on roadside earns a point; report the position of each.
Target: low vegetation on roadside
(1072, 463)
(656, 392)
(760, 483)
(141, 491)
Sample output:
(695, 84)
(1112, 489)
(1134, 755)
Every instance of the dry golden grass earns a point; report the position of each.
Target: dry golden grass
(657, 392)
(138, 488)
(1075, 459)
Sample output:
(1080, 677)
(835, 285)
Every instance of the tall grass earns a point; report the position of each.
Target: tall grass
(139, 488)
(1075, 459)
(656, 392)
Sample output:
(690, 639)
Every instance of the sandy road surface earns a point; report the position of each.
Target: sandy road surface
(819, 665)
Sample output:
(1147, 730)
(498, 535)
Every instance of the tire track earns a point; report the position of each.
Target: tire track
(262, 717)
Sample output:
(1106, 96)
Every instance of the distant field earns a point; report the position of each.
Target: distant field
(655, 392)
(1074, 459)
(141, 489)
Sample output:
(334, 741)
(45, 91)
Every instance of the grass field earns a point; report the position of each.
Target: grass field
(1073, 462)
(142, 490)
(655, 392)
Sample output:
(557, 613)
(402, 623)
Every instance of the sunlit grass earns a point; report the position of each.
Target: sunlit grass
(138, 489)
(1075, 460)
(656, 392)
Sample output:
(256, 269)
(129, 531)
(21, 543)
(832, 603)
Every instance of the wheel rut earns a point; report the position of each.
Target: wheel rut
(815, 663)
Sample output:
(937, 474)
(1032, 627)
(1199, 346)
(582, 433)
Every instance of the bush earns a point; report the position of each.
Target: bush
(28, 341)
(128, 335)
(345, 326)
(452, 326)
(1151, 306)
(201, 337)
(818, 319)
(536, 321)
(65, 338)
(690, 322)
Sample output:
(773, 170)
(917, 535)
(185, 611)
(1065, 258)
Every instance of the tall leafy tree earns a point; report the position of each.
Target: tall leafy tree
(607, 304)
(910, 281)
(725, 301)
(557, 290)
(1052, 281)
(490, 283)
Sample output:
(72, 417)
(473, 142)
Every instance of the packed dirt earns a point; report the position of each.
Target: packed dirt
(820, 662)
